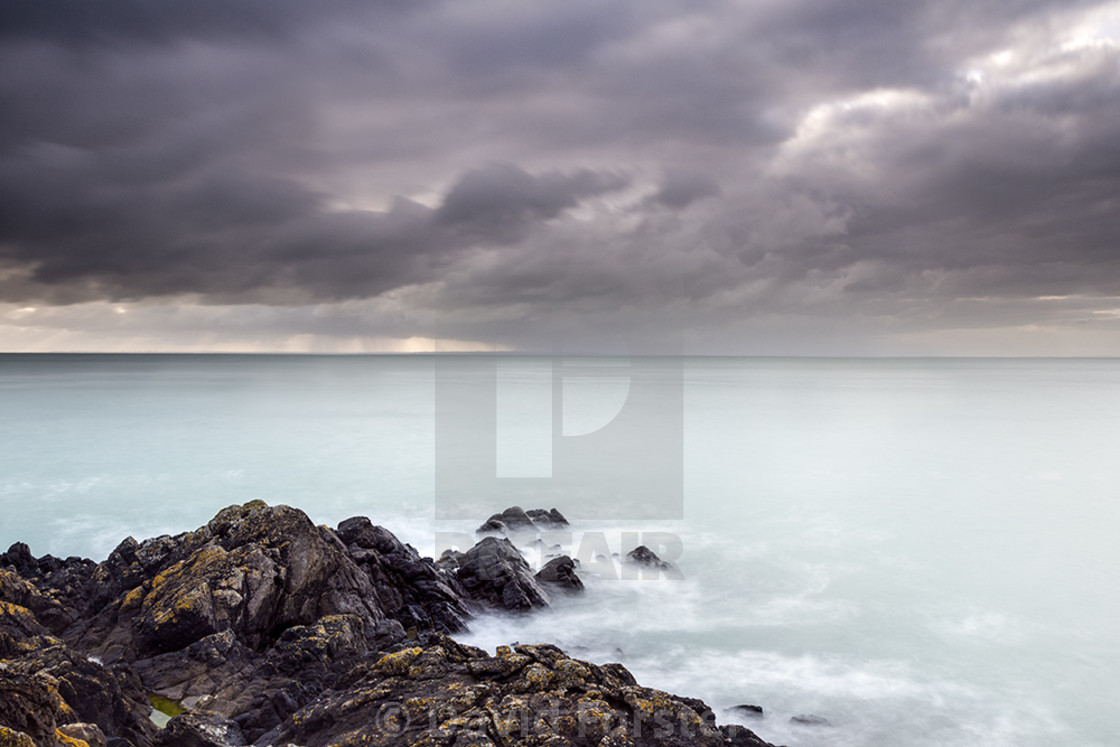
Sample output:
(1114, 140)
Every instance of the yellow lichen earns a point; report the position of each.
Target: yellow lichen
(68, 740)
(398, 663)
(13, 738)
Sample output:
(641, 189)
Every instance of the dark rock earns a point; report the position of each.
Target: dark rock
(515, 520)
(45, 684)
(750, 711)
(448, 694)
(19, 558)
(810, 720)
(547, 519)
(47, 612)
(450, 560)
(561, 572)
(493, 572)
(255, 570)
(270, 630)
(91, 734)
(740, 736)
(644, 556)
(201, 729)
(413, 590)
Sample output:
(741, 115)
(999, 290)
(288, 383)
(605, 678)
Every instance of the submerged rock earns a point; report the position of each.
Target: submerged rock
(810, 720)
(750, 711)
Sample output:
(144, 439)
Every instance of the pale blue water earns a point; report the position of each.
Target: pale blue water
(922, 551)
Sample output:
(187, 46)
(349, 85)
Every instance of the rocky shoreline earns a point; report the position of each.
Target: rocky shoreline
(262, 629)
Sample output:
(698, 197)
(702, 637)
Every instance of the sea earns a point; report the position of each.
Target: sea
(920, 551)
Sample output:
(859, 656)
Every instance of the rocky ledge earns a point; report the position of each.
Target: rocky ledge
(261, 628)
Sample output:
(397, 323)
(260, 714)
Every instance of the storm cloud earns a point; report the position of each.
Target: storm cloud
(770, 177)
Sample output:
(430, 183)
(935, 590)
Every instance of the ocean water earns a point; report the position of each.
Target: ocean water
(922, 551)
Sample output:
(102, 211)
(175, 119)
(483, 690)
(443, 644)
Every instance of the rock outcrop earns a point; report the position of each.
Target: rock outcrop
(261, 628)
(515, 520)
(449, 694)
(561, 573)
(643, 556)
(494, 572)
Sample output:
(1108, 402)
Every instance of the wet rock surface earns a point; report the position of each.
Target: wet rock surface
(261, 628)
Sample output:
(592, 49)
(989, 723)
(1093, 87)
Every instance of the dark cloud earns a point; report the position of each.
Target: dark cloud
(479, 168)
(681, 188)
(116, 21)
(500, 201)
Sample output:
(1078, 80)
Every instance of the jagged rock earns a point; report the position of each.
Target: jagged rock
(561, 572)
(450, 561)
(255, 570)
(48, 613)
(810, 720)
(522, 695)
(19, 558)
(45, 684)
(415, 591)
(13, 738)
(270, 630)
(515, 520)
(737, 735)
(547, 519)
(91, 734)
(642, 555)
(202, 729)
(494, 572)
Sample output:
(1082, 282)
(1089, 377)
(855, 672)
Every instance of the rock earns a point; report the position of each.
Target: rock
(520, 696)
(201, 729)
(550, 519)
(514, 520)
(561, 573)
(750, 711)
(493, 572)
(270, 630)
(255, 570)
(736, 735)
(810, 720)
(642, 555)
(19, 558)
(48, 613)
(91, 734)
(13, 738)
(415, 591)
(45, 684)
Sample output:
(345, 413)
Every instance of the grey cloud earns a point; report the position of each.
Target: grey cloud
(500, 200)
(681, 188)
(110, 21)
(285, 153)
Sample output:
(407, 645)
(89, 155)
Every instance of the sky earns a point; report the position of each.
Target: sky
(781, 177)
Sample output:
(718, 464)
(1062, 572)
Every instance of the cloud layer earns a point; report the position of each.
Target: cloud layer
(765, 177)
